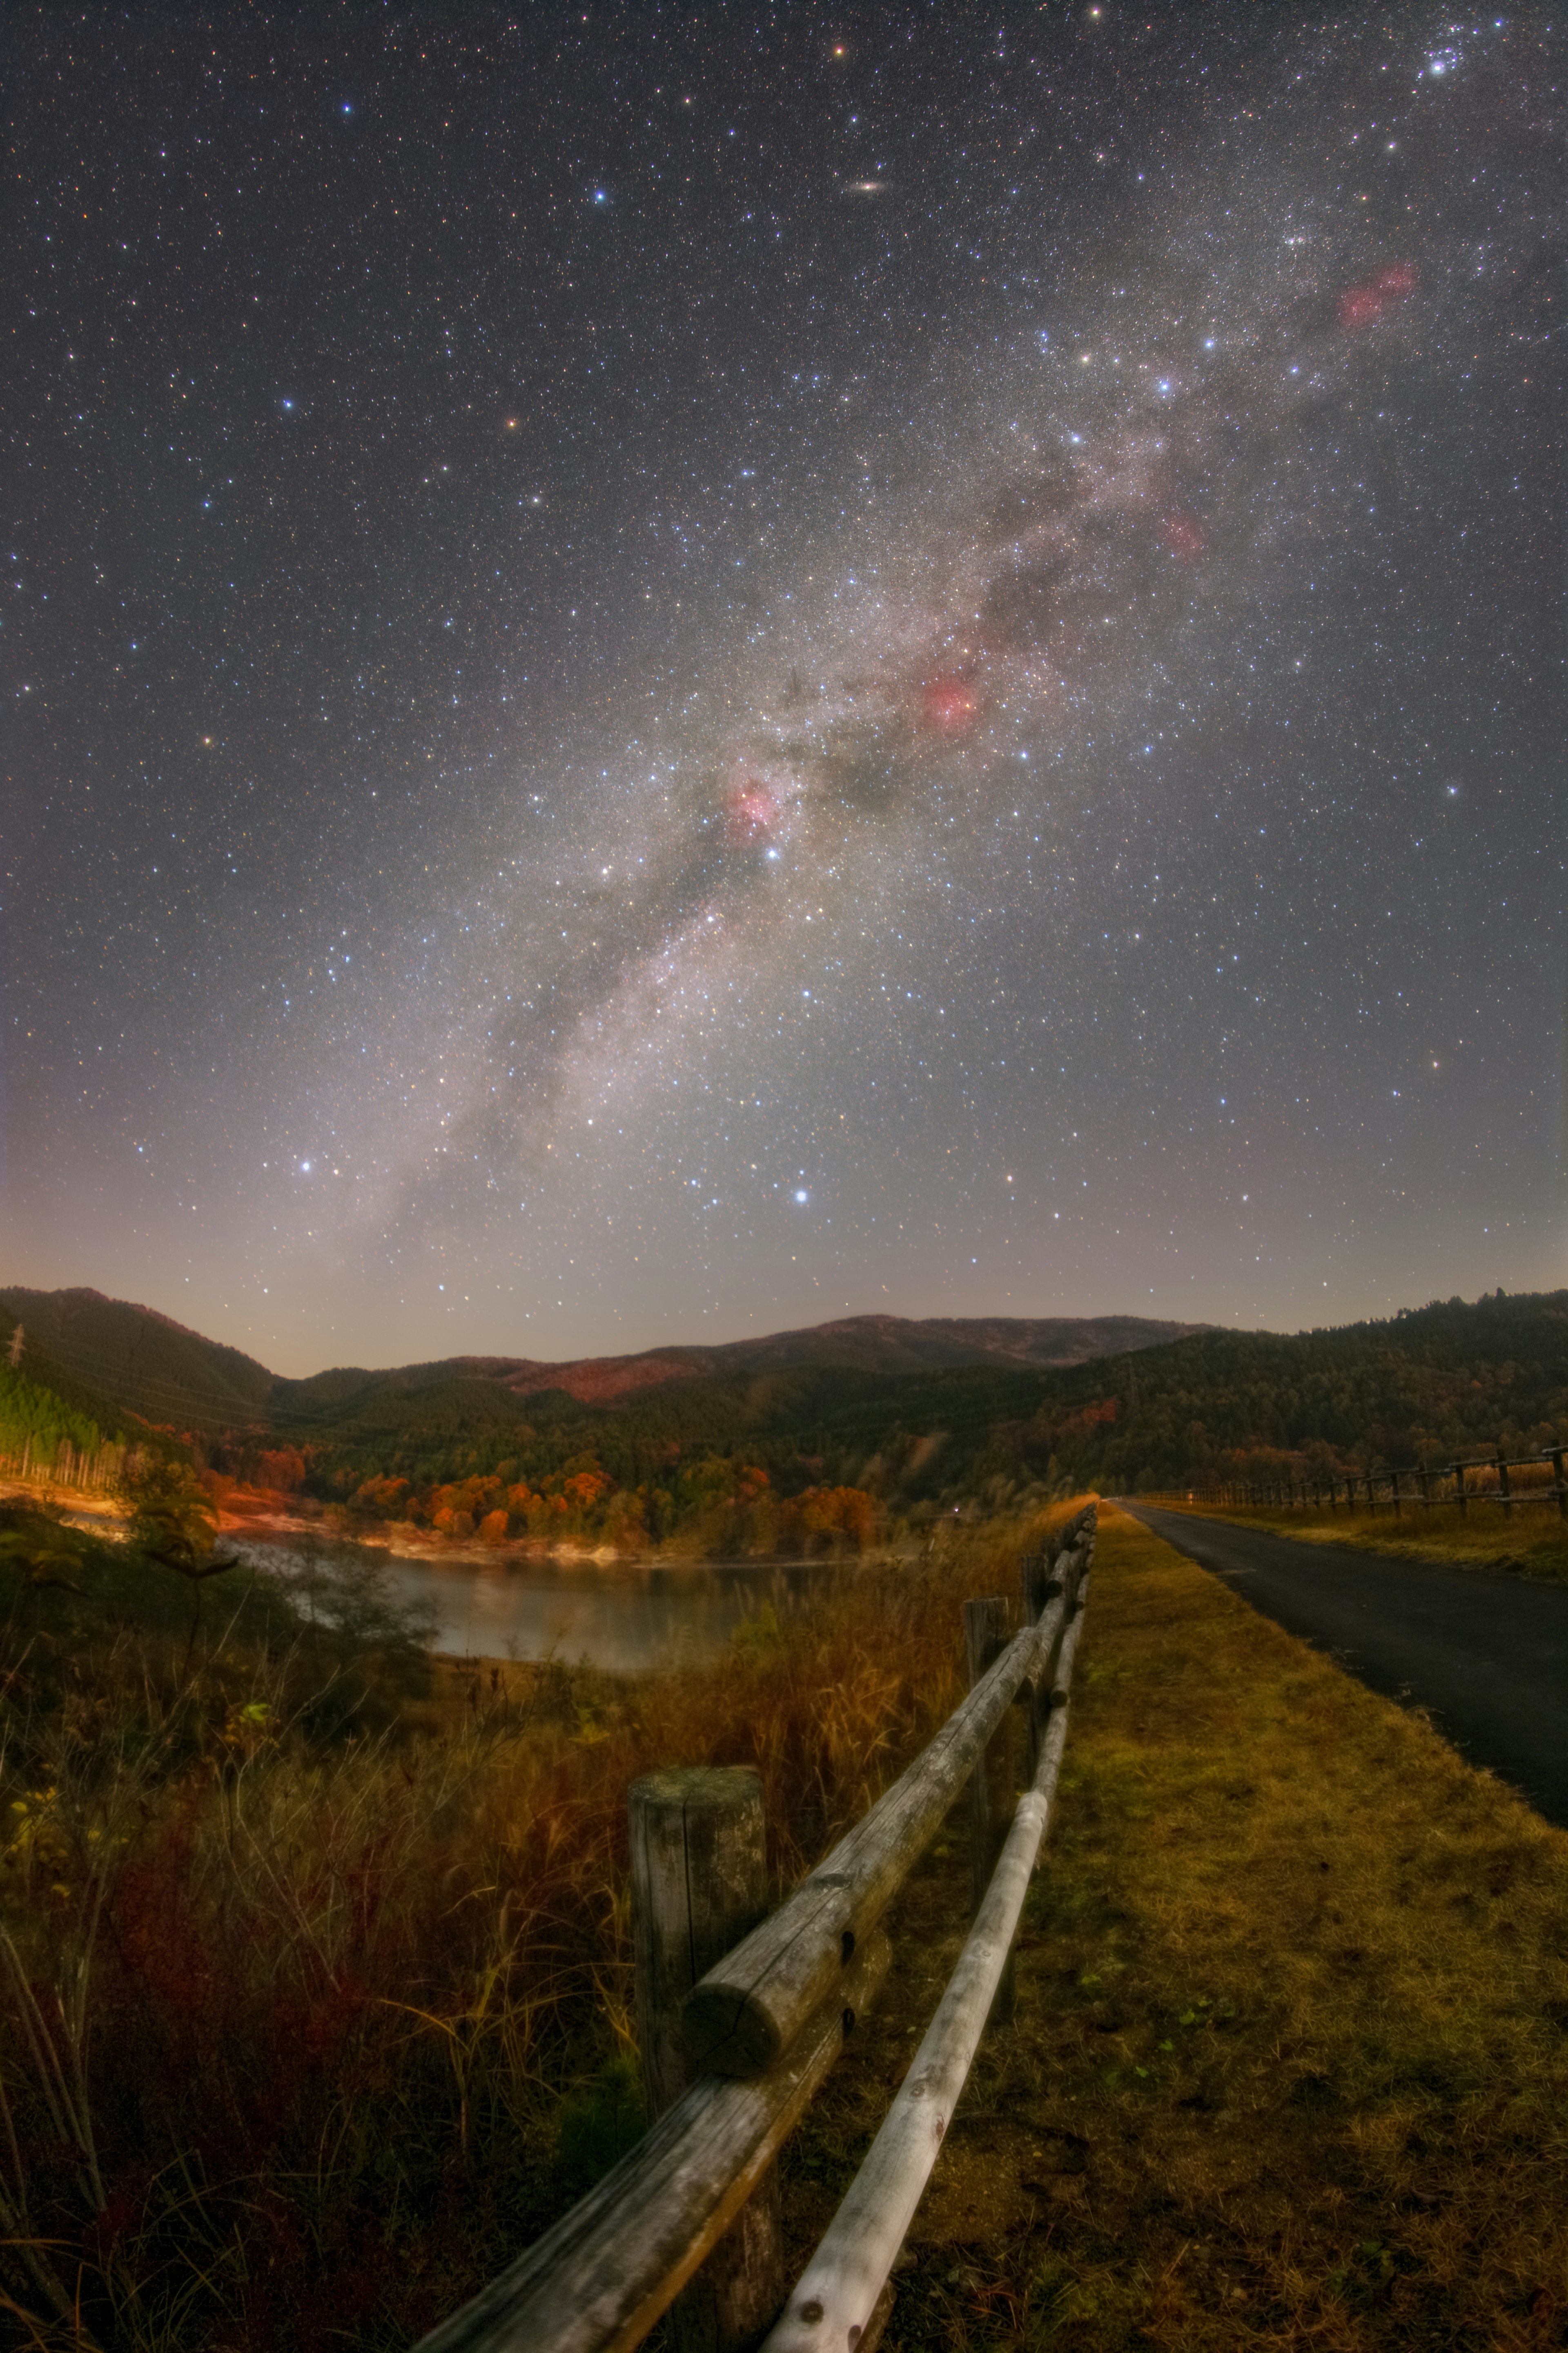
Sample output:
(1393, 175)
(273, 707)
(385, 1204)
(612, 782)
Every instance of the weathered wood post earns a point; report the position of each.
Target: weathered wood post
(993, 1783)
(1034, 1584)
(1394, 1485)
(1038, 1580)
(1504, 1490)
(985, 1637)
(1561, 1490)
(1460, 1497)
(700, 1884)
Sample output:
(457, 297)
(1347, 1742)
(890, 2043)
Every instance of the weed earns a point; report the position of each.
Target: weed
(320, 1964)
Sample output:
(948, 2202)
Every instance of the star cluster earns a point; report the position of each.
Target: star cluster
(668, 677)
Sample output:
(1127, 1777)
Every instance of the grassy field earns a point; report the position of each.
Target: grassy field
(315, 1963)
(1530, 1540)
(1290, 2061)
(331, 2009)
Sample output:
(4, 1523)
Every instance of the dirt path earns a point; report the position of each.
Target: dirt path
(1485, 1653)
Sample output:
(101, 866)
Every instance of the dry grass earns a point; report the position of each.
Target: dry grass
(1291, 2064)
(318, 2030)
(1531, 1541)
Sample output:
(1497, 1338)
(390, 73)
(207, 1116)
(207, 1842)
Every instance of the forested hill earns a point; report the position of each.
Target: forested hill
(160, 1371)
(1443, 1379)
(135, 1361)
(1446, 1378)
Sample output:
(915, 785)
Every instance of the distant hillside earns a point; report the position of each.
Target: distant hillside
(867, 1344)
(721, 1458)
(137, 1360)
(113, 1357)
(919, 1417)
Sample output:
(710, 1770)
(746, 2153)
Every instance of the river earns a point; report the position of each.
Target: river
(624, 1617)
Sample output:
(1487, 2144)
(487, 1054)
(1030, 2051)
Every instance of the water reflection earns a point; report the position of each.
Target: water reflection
(623, 1618)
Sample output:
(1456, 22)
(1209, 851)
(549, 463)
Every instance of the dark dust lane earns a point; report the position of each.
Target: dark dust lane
(1485, 1653)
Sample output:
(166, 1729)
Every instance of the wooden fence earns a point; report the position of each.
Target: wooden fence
(1506, 1480)
(742, 2014)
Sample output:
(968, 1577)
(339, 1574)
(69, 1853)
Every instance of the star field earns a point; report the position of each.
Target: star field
(672, 675)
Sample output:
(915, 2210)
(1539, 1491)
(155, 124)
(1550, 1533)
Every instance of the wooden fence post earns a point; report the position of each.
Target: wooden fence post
(1393, 1485)
(1034, 1581)
(992, 1782)
(1504, 1490)
(1460, 1496)
(1037, 1582)
(1557, 1475)
(700, 1884)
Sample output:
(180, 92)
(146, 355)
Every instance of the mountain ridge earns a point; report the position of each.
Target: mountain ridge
(148, 1363)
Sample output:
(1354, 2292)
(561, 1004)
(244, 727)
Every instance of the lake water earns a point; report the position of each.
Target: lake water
(623, 1618)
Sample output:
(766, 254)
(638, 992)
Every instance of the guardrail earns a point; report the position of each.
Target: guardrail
(1487, 1479)
(741, 2017)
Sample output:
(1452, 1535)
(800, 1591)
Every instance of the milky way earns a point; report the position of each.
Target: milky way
(915, 668)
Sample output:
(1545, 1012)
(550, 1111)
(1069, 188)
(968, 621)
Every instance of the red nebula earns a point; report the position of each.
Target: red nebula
(1363, 305)
(1185, 535)
(949, 705)
(750, 813)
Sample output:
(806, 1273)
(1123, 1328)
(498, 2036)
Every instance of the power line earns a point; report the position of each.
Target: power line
(157, 1387)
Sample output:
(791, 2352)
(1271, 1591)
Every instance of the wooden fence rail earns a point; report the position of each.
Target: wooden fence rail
(1486, 1479)
(760, 2028)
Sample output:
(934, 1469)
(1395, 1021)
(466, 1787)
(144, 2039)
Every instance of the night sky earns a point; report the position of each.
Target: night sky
(672, 673)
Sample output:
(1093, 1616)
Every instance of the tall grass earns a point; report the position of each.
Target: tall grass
(319, 1979)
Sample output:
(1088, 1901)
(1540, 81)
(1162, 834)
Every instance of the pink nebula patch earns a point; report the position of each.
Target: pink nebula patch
(751, 813)
(949, 705)
(1185, 535)
(1363, 305)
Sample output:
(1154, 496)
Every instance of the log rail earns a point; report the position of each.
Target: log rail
(685, 2219)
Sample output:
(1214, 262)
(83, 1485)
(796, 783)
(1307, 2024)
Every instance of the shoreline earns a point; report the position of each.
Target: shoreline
(401, 1541)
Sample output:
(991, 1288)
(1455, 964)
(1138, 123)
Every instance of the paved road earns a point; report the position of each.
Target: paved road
(1487, 1654)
